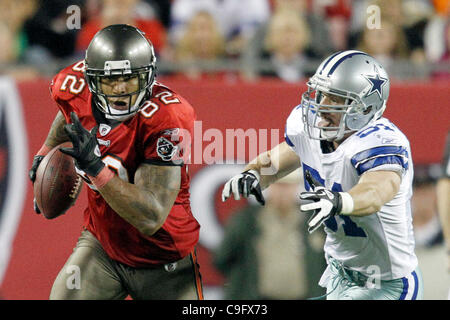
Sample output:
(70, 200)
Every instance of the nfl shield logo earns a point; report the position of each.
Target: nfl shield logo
(104, 129)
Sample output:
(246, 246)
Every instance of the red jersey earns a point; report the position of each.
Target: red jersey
(147, 137)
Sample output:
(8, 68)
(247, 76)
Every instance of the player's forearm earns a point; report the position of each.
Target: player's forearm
(274, 164)
(142, 208)
(56, 134)
(366, 200)
(263, 166)
(375, 190)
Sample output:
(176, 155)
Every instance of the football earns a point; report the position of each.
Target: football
(57, 184)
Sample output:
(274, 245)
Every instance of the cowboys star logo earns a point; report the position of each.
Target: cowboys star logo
(376, 83)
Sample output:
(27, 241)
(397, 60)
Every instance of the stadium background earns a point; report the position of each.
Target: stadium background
(34, 249)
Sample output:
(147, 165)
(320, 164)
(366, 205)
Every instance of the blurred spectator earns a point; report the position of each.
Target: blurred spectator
(122, 12)
(9, 53)
(266, 252)
(47, 32)
(13, 39)
(286, 41)
(337, 14)
(201, 42)
(437, 39)
(443, 73)
(237, 19)
(338, 18)
(386, 44)
(427, 229)
(410, 15)
(318, 46)
(416, 15)
(160, 9)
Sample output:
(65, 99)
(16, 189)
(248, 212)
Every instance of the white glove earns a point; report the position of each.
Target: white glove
(323, 203)
(245, 184)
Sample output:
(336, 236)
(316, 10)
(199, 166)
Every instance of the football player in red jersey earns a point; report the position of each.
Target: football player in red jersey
(130, 135)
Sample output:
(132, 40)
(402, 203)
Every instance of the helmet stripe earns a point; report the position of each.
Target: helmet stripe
(332, 60)
(342, 59)
(329, 59)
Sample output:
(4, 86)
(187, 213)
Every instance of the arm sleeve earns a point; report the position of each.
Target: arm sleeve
(393, 158)
(168, 143)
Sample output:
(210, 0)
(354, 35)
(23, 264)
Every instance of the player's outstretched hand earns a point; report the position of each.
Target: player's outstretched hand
(85, 148)
(245, 184)
(324, 204)
(320, 202)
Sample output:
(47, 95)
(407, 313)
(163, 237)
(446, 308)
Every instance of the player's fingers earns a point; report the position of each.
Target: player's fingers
(32, 175)
(235, 187)
(245, 188)
(36, 208)
(226, 191)
(310, 206)
(33, 170)
(316, 221)
(259, 195)
(74, 118)
(311, 181)
(308, 196)
(69, 151)
(70, 130)
(94, 131)
(73, 136)
(311, 229)
(78, 127)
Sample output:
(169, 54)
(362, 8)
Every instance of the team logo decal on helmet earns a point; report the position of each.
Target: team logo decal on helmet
(376, 82)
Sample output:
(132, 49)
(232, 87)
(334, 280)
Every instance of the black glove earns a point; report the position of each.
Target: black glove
(324, 203)
(32, 175)
(84, 147)
(34, 166)
(245, 184)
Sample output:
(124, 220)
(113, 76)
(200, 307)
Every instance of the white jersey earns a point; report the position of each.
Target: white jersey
(382, 242)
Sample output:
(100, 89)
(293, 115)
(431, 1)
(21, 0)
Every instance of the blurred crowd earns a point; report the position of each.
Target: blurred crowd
(233, 38)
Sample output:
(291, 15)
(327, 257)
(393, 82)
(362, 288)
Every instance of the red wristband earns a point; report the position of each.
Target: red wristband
(44, 150)
(102, 178)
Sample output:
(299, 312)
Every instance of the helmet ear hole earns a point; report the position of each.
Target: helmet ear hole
(368, 110)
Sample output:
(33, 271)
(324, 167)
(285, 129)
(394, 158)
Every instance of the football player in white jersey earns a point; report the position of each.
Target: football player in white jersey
(358, 176)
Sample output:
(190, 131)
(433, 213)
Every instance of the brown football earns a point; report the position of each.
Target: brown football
(57, 184)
